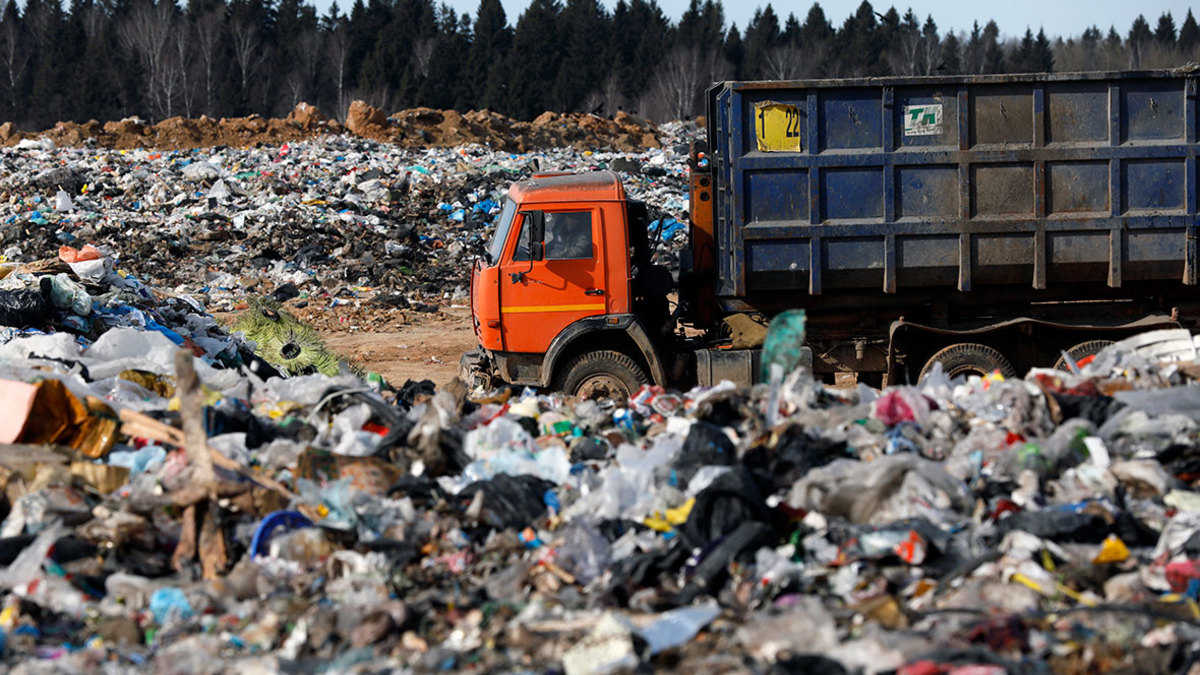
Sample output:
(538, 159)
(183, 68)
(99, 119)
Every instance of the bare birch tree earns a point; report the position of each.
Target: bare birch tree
(14, 52)
(183, 57)
(679, 82)
(246, 51)
(144, 32)
(337, 48)
(423, 50)
(208, 40)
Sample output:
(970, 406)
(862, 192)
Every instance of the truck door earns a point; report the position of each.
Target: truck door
(546, 285)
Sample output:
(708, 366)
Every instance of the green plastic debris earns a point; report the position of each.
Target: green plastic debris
(284, 341)
(376, 381)
(784, 342)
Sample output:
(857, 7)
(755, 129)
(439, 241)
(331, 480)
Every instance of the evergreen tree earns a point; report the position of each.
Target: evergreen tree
(584, 31)
(859, 48)
(534, 60)
(1088, 50)
(712, 24)
(44, 19)
(1164, 32)
(816, 29)
(638, 32)
(688, 30)
(1189, 35)
(890, 32)
(490, 44)
(445, 84)
(931, 47)
(735, 51)
(760, 38)
(791, 30)
(993, 53)
(951, 56)
(1139, 38)
(1021, 60)
(816, 42)
(1043, 55)
(973, 51)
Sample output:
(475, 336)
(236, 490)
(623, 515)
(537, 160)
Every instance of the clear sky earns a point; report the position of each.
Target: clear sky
(1058, 17)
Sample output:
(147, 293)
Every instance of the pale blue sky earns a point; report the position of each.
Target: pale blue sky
(1058, 17)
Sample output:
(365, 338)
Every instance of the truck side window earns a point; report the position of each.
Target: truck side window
(521, 254)
(569, 235)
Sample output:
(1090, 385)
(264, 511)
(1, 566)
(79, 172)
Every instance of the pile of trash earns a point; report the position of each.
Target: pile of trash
(330, 222)
(172, 502)
(417, 128)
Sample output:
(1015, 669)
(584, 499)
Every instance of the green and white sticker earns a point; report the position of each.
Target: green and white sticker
(923, 120)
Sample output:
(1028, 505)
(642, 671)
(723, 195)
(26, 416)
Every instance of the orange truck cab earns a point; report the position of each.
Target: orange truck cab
(566, 296)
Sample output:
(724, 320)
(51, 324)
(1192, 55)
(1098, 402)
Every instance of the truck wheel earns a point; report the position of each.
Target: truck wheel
(1081, 351)
(969, 358)
(601, 374)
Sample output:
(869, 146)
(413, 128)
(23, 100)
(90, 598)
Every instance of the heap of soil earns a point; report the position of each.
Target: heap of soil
(418, 127)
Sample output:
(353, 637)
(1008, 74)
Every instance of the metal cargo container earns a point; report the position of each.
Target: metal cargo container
(1046, 181)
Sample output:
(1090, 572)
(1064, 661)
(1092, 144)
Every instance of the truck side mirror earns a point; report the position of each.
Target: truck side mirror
(537, 235)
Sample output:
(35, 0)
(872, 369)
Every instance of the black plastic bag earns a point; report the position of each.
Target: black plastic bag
(24, 309)
(706, 445)
(509, 501)
(732, 499)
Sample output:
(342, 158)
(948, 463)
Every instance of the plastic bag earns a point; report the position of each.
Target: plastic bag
(584, 553)
(678, 626)
(168, 604)
(65, 294)
(784, 342)
(887, 489)
(28, 565)
(706, 445)
(509, 501)
(24, 309)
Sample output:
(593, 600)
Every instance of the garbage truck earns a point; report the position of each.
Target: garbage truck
(987, 223)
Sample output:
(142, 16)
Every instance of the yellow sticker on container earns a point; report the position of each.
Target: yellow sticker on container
(777, 127)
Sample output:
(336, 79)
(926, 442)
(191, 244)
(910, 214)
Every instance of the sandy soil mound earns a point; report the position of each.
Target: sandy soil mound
(418, 127)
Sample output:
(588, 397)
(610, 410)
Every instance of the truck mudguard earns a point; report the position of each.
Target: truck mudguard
(625, 323)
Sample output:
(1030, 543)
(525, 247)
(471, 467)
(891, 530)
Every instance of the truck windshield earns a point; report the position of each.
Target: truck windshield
(502, 228)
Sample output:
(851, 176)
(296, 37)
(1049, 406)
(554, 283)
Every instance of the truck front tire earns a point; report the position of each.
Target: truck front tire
(969, 358)
(601, 374)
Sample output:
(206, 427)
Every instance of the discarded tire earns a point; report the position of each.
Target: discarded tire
(1081, 351)
(601, 374)
(969, 358)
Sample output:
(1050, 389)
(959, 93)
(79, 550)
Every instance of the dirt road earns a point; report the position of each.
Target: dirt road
(399, 346)
(426, 349)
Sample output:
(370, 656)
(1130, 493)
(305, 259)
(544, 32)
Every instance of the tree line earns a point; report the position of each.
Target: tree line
(110, 59)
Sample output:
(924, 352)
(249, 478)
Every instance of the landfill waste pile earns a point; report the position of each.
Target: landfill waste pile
(417, 127)
(344, 231)
(172, 503)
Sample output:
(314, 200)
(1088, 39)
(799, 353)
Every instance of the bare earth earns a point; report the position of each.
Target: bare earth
(428, 348)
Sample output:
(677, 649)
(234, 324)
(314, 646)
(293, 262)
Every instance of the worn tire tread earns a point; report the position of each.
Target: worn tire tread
(608, 361)
(955, 358)
(1082, 350)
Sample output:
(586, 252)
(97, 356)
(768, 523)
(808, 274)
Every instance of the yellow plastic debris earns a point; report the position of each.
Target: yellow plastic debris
(1113, 550)
(679, 514)
(1065, 590)
(666, 522)
(8, 617)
